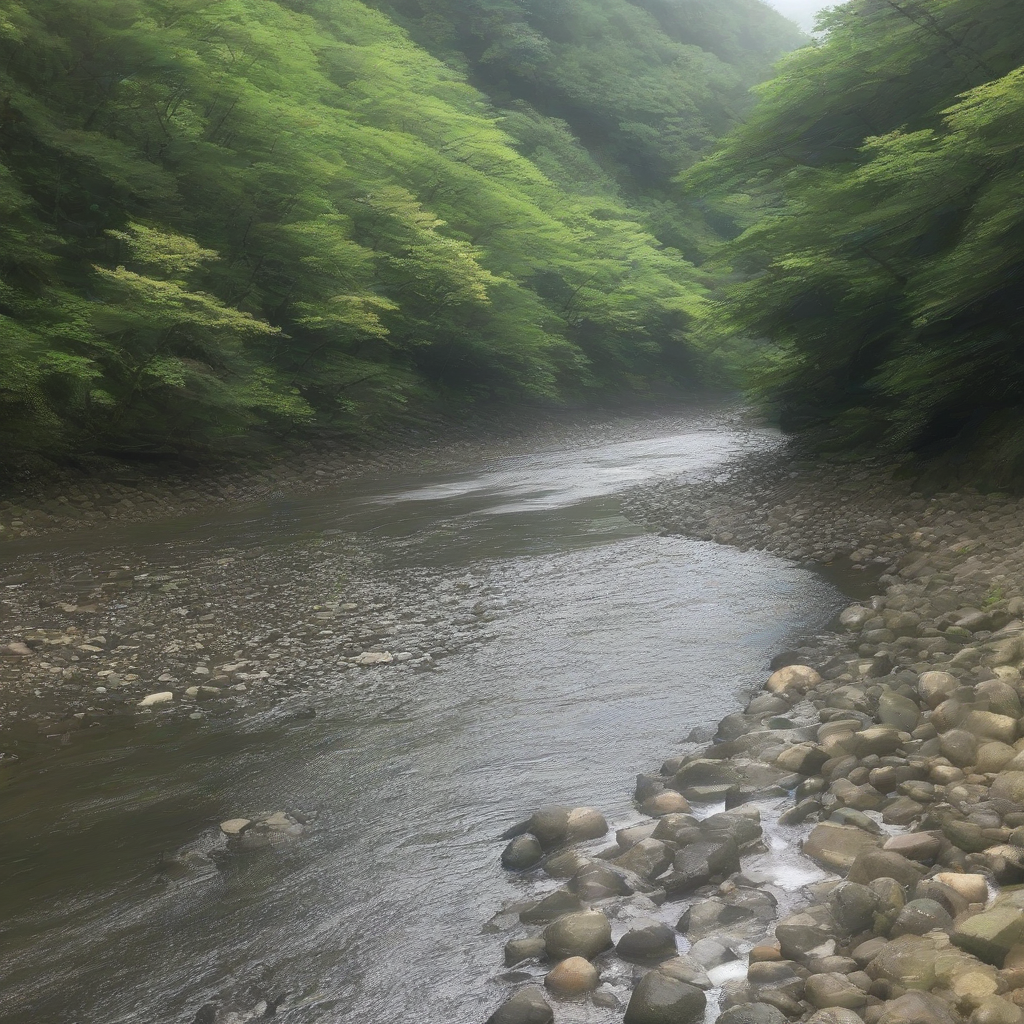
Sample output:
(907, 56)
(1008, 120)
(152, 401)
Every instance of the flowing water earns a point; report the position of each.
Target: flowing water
(601, 648)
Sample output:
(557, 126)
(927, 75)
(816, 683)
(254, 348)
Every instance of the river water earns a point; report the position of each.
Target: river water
(596, 649)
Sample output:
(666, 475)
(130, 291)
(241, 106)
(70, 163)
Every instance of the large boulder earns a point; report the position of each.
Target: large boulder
(968, 836)
(852, 907)
(527, 1006)
(922, 847)
(989, 725)
(706, 778)
(917, 1008)
(647, 942)
(1001, 697)
(685, 968)
(755, 1013)
(854, 617)
(909, 961)
(993, 757)
(802, 758)
(585, 934)
(661, 999)
(1005, 863)
(874, 864)
(740, 916)
(834, 1015)
(518, 950)
(836, 847)
(793, 679)
(555, 825)
(959, 746)
(632, 834)
(973, 888)
(833, 989)
(699, 863)
(996, 1010)
(648, 858)
(666, 802)
(522, 853)
(572, 977)
(861, 798)
(743, 828)
(935, 687)
(898, 711)
(1009, 786)
(921, 916)
(877, 739)
(803, 932)
(891, 900)
(564, 864)
(551, 907)
(990, 934)
(678, 828)
(946, 896)
(598, 882)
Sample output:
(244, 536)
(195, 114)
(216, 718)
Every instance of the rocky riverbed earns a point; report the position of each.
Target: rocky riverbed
(124, 629)
(99, 641)
(848, 848)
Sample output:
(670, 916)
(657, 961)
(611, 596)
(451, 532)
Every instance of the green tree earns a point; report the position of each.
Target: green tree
(881, 265)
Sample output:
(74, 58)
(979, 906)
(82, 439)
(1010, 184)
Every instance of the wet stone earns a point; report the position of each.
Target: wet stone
(551, 907)
(647, 942)
(595, 882)
(661, 999)
(528, 1006)
(752, 1013)
(572, 977)
(585, 934)
(522, 853)
(518, 950)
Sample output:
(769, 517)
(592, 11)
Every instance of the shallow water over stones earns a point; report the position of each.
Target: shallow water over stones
(569, 651)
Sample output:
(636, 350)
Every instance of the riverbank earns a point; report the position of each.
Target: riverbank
(847, 850)
(43, 498)
(175, 600)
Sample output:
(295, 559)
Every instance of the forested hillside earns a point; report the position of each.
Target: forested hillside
(647, 86)
(882, 268)
(225, 215)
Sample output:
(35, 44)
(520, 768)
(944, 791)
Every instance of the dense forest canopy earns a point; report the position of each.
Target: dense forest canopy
(226, 215)
(882, 265)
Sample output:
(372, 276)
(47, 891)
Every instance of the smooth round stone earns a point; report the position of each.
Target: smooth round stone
(572, 977)
(522, 853)
(667, 802)
(527, 1006)
(660, 999)
(585, 934)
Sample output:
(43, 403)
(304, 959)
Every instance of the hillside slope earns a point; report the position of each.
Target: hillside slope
(222, 216)
(883, 265)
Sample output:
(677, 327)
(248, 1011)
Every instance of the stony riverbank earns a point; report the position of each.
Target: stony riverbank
(93, 493)
(116, 630)
(849, 848)
(89, 493)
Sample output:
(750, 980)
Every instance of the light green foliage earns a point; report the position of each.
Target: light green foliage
(645, 86)
(882, 265)
(223, 214)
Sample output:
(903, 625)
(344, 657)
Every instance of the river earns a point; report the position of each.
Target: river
(590, 652)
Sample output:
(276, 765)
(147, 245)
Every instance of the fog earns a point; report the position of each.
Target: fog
(801, 11)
